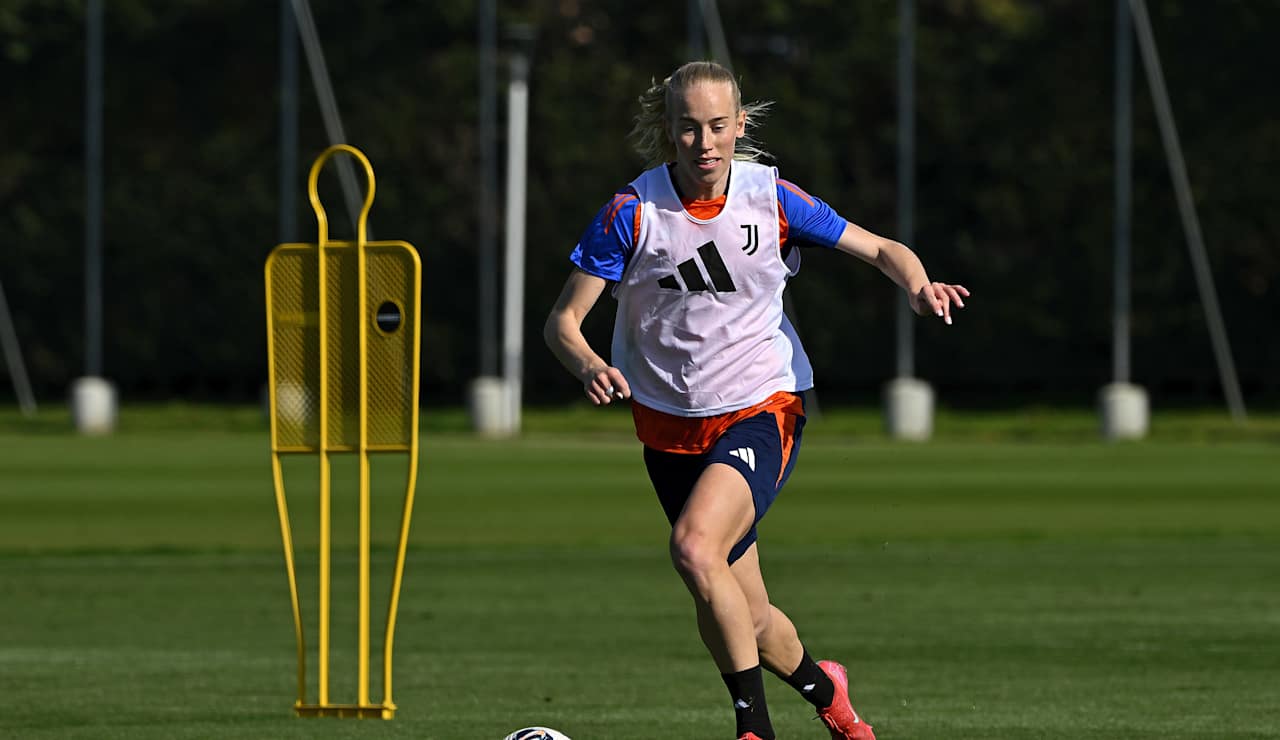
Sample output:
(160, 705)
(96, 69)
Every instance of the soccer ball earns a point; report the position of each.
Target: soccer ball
(537, 733)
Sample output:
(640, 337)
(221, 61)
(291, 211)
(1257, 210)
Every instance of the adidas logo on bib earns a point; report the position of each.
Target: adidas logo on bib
(692, 276)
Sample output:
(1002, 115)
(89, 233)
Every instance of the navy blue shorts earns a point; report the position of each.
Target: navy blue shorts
(754, 447)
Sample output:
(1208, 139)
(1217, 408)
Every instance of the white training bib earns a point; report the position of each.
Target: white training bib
(700, 328)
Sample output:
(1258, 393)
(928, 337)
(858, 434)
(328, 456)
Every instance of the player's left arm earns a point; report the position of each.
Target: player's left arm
(903, 267)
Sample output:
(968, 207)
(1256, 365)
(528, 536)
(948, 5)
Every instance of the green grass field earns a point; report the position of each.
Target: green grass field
(1015, 578)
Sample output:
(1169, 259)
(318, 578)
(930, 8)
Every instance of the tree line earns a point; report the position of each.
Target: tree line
(1014, 146)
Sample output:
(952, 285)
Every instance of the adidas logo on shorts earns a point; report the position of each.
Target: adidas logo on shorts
(746, 455)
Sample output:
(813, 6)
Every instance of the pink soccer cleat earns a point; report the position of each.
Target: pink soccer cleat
(840, 719)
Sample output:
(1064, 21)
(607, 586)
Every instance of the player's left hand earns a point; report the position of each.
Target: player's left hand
(937, 299)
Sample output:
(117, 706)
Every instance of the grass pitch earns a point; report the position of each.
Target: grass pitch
(1054, 587)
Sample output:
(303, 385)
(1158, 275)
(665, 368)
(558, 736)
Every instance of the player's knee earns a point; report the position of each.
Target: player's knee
(693, 553)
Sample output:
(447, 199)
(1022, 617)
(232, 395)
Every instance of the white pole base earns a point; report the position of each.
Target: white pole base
(490, 406)
(1126, 412)
(909, 409)
(93, 405)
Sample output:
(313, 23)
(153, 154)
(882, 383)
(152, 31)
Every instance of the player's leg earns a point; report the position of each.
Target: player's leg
(737, 487)
(776, 639)
(718, 514)
(825, 685)
(761, 452)
(693, 551)
(714, 501)
(781, 651)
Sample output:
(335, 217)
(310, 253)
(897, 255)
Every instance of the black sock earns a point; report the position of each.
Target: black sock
(746, 690)
(813, 683)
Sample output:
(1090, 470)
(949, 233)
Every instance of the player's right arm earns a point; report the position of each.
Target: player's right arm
(600, 256)
(563, 334)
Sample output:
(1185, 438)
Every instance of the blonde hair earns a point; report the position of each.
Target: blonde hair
(651, 138)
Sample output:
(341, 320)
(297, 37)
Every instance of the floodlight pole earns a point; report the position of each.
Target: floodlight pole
(1125, 410)
(93, 190)
(1187, 209)
(908, 400)
(1123, 193)
(906, 173)
(517, 167)
(93, 399)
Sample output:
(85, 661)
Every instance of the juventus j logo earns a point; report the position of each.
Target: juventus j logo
(692, 275)
(753, 239)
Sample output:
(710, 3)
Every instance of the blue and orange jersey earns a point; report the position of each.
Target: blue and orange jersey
(606, 245)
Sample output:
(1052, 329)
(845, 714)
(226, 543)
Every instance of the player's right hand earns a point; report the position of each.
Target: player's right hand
(606, 385)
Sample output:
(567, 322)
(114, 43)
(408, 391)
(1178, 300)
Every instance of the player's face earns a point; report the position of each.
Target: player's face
(705, 125)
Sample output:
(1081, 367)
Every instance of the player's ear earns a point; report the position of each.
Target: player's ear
(741, 127)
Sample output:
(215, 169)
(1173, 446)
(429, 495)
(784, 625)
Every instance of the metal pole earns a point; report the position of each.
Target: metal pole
(487, 311)
(906, 174)
(93, 189)
(288, 124)
(329, 111)
(517, 133)
(13, 357)
(715, 31)
(697, 48)
(1124, 193)
(1187, 209)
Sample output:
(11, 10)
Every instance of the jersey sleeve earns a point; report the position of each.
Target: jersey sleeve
(606, 245)
(809, 220)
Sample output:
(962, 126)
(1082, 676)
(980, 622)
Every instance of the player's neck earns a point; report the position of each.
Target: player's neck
(696, 192)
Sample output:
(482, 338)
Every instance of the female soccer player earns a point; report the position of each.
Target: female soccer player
(699, 249)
